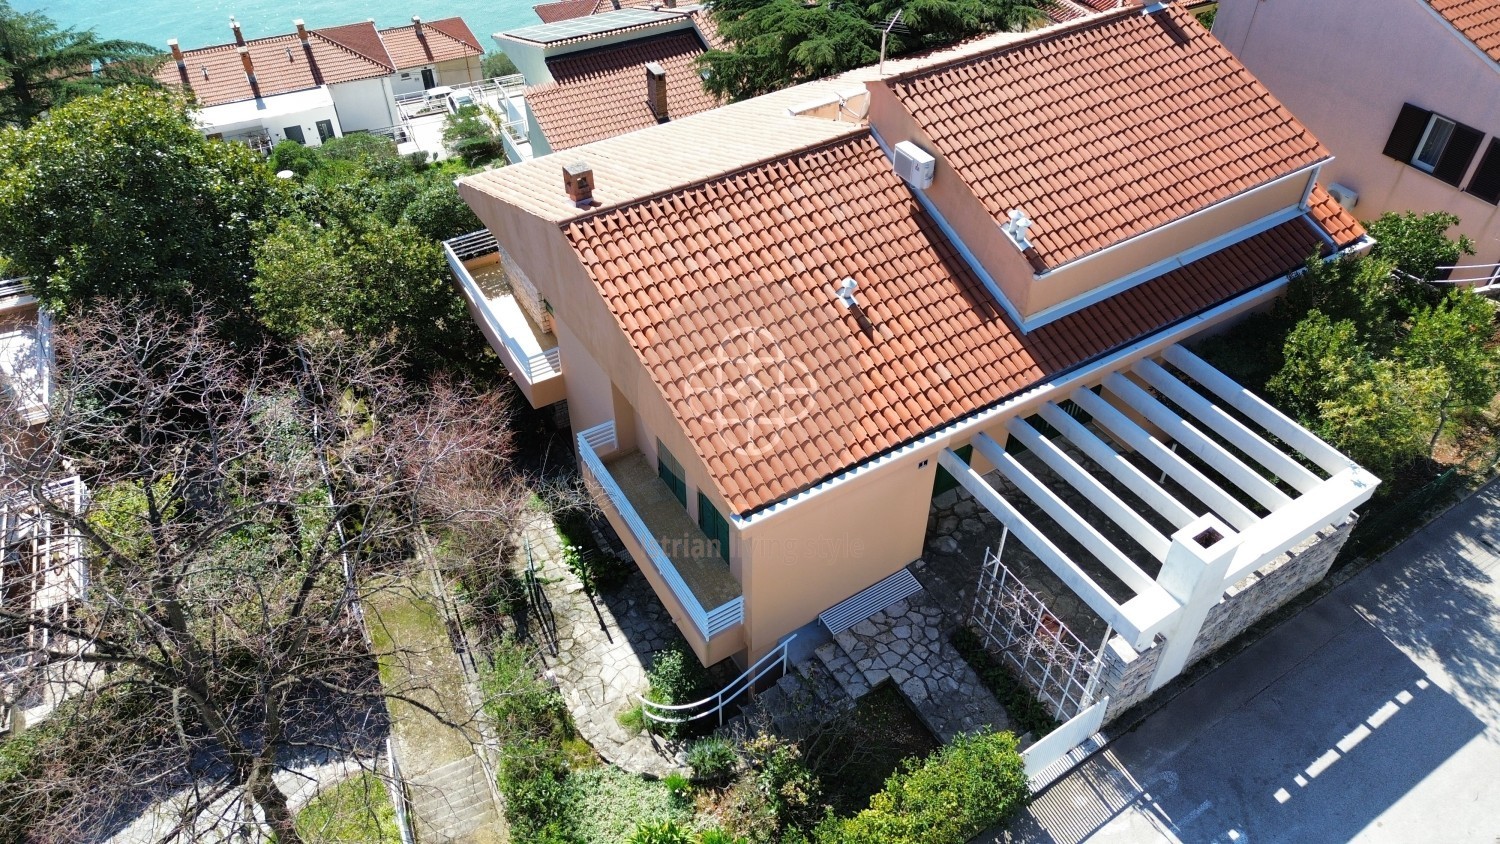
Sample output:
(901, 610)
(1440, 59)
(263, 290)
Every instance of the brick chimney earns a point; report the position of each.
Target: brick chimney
(239, 37)
(177, 55)
(301, 31)
(656, 91)
(249, 65)
(578, 181)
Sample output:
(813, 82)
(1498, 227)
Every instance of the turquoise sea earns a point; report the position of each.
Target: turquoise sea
(197, 23)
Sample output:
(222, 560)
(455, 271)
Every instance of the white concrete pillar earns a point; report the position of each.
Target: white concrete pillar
(1194, 574)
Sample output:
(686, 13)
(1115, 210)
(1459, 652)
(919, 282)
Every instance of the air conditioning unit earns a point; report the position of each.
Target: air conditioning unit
(914, 165)
(1344, 196)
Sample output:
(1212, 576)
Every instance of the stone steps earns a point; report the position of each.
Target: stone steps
(803, 700)
(451, 804)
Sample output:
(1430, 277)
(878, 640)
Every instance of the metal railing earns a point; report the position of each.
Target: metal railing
(709, 623)
(1483, 278)
(11, 288)
(539, 601)
(716, 703)
(535, 366)
(395, 786)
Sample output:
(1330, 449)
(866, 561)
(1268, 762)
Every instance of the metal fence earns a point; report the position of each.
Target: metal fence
(1014, 622)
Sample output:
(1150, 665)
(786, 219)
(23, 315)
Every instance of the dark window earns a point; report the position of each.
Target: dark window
(294, 133)
(671, 473)
(1433, 143)
(1486, 181)
(714, 526)
(325, 130)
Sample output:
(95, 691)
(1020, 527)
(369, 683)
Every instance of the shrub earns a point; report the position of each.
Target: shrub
(470, 136)
(533, 778)
(666, 832)
(676, 677)
(632, 719)
(497, 64)
(606, 804)
(440, 213)
(972, 784)
(792, 794)
(712, 759)
(719, 836)
(679, 786)
(523, 706)
(290, 155)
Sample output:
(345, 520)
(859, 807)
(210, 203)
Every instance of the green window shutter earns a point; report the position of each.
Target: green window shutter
(670, 471)
(714, 526)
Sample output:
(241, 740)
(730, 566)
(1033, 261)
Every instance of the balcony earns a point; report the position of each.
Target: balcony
(528, 350)
(682, 564)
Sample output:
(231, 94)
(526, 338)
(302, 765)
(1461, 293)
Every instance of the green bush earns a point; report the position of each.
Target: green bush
(533, 777)
(597, 570)
(712, 759)
(440, 213)
(470, 136)
(1030, 714)
(606, 804)
(290, 155)
(967, 787)
(666, 832)
(497, 64)
(792, 794)
(523, 706)
(676, 677)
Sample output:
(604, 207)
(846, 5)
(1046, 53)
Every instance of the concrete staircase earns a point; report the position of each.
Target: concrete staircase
(453, 805)
(804, 699)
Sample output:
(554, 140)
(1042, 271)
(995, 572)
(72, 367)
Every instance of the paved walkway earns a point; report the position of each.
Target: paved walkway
(1371, 716)
(605, 645)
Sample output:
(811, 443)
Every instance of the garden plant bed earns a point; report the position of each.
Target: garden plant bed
(853, 762)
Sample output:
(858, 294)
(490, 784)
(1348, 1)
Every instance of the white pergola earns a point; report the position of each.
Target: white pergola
(1208, 551)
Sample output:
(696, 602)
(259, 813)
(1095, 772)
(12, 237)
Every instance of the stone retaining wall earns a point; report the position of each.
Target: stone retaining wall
(1125, 674)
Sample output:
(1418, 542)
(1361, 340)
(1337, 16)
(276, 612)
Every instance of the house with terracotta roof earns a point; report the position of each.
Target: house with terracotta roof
(1405, 92)
(316, 84)
(785, 328)
(597, 74)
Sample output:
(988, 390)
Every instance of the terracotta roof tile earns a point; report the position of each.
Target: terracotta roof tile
(726, 290)
(1478, 20)
(1333, 219)
(439, 41)
(564, 10)
(1103, 131)
(282, 65)
(602, 93)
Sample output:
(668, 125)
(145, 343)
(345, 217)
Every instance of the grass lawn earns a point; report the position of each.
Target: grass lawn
(356, 811)
(882, 731)
(417, 660)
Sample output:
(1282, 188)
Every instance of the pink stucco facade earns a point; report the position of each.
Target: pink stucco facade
(1346, 67)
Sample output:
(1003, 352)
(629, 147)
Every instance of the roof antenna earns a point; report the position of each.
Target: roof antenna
(894, 24)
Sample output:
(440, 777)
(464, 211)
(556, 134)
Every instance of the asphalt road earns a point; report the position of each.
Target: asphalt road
(1372, 716)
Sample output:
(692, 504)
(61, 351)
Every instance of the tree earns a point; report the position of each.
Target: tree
(1453, 337)
(1417, 244)
(244, 504)
(777, 43)
(119, 195)
(42, 66)
(358, 275)
(497, 64)
(472, 137)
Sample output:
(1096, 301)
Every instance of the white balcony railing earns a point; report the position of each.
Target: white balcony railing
(709, 622)
(503, 316)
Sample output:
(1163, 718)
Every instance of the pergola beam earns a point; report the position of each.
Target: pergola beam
(1257, 410)
(1136, 437)
(1221, 422)
(1097, 493)
(1198, 443)
(1058, 510)
(1117, 465)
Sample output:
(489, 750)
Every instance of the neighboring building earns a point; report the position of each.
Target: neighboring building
(601, 75)
(42, 569)
(1405, 92)
(316, 84)
(774, 321)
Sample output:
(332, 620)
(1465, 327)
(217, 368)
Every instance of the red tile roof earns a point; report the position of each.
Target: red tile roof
(440, 41)
(564, 10)
(1333, 219)
(282, 65)
(601, 93)
(1478, 20)
(726, 291)
(1107, 129)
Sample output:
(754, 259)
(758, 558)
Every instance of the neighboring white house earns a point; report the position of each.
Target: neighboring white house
(316, 84)
(1405, 92)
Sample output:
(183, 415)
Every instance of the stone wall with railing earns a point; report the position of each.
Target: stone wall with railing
(1125, 675)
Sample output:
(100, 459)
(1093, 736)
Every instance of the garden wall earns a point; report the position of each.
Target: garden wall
(1125, 675)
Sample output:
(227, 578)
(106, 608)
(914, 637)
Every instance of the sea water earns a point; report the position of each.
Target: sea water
(199, 23)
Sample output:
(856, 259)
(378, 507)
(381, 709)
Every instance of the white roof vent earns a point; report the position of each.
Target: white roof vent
(1345, 196)
(1016, 227)
(845, 291)
(914, 165)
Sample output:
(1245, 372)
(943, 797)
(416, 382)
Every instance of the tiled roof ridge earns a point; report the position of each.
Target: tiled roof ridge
(738, 170)
(386, 62)
(441, 23)
(1043, 35)
(231, 46)
(432, 26)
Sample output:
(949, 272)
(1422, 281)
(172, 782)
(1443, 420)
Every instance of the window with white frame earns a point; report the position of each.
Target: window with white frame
(1433, 143)
(1434, 140)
